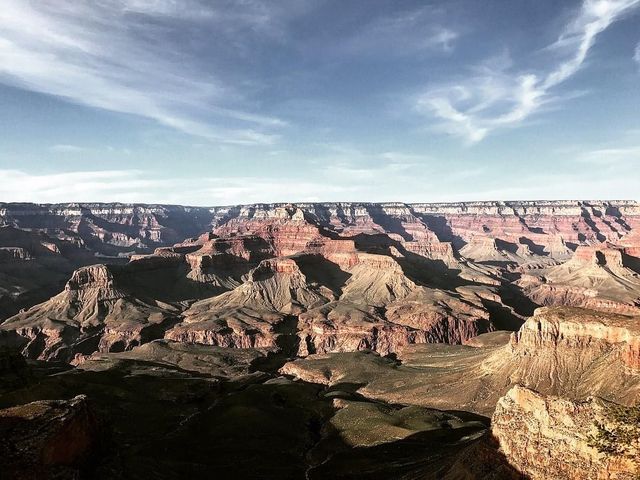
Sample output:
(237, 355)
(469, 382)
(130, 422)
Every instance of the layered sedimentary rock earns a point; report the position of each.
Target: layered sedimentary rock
(308, 340)
(551, 438)
(543, 226)
(95, 312)
(594, 277)
(110, 228)
(33, 267)
(338, 277)
(569, 352)
(195, 359)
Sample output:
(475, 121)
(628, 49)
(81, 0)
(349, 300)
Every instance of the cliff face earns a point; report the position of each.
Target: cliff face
(110, 228)
(551, 438)
(574, 330)
(116, 227)
(47, 439)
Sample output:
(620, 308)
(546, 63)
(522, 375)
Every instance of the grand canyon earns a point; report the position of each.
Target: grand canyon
(475, 340)
(319, 240)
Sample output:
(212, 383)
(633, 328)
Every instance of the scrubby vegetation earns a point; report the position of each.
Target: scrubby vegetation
(619, 434)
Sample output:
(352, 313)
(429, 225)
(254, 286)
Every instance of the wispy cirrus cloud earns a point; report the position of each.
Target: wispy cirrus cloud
(148, 187)
(611, 156)
(338, 172)
(66, 148)
(405, 33)
(636, 54)
(128, 56)
(499, 96)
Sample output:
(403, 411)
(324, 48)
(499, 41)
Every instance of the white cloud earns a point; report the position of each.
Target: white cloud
(121, 55)
(141, 186)
(66, 148)
(636, 55)
(593, 186)
(495, 97)
(611, 156)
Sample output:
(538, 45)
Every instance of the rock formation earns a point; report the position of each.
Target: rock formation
(47, 439)
(551, 438)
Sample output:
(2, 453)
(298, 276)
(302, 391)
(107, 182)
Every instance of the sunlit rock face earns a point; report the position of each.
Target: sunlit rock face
(552, 438)
(562, 351)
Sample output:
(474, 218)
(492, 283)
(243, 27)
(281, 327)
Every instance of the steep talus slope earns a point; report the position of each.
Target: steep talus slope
(41, 245)
(342, 277)
(594, 277)
(34, 266)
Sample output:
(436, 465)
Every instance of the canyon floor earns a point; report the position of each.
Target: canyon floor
(479, 340)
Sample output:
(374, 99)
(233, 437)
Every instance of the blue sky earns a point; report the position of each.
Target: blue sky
(221, 102)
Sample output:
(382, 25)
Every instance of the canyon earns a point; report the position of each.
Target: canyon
(320, 340)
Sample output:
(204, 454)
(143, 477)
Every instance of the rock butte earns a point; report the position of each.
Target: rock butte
(362, 326)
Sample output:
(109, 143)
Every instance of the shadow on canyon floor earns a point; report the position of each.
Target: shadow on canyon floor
(167, 423)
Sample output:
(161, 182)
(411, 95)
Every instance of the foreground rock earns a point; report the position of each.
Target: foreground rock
(551, 438)
(174, 410)
(47, 439)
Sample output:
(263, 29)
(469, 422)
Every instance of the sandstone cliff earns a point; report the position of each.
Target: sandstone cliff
(551, 438)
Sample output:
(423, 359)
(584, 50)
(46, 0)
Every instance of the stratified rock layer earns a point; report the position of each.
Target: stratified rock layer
(568, 352)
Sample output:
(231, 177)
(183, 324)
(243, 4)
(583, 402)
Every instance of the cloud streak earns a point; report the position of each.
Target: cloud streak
(141, 186)
(147, 187)
(496, 97)
(66, 148)
(611, 156)
(120, 55)
(403, 34)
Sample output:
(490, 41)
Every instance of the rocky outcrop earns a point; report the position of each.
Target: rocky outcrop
(594, 277)
(95, 312)
(589, 334)
(47, 439)
(423, 316)
(552, 438)
(188, 357)
(233, 328)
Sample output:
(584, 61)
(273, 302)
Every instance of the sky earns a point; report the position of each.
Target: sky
(216, 102)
